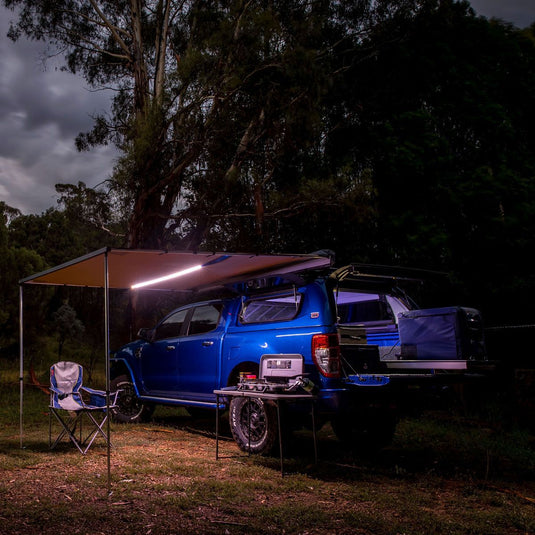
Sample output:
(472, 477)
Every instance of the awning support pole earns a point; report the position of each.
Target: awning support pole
(21, 364)
(107, 360)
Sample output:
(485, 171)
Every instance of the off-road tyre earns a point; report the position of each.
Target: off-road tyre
(253, 423)
(129, 408)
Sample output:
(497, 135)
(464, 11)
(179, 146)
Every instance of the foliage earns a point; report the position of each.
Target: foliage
(67, 325)
(390, 132)
(32, 243)
(218, 104)
(16, 262)
(443, 114)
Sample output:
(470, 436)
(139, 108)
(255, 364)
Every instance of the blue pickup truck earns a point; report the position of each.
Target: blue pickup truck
(361, 344)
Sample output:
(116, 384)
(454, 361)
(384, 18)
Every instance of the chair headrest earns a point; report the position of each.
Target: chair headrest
(66, 375)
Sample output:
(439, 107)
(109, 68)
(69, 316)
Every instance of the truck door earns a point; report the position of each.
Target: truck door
(159, 358)
(199, 353)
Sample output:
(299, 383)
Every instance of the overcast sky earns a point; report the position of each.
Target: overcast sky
(43, 109)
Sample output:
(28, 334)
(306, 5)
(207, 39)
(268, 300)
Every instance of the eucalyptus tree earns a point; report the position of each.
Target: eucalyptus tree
(219, 106)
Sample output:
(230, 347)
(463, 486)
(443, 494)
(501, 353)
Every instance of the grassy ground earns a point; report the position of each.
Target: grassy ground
(444, 474)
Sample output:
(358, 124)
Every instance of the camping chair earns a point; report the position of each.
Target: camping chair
(67, 405)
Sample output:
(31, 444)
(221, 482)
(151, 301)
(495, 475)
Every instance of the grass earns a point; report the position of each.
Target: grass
(444, 474)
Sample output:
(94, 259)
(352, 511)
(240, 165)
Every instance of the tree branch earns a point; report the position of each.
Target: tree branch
(111, 27)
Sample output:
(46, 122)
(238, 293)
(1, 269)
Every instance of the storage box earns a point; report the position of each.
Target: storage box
(431, 334)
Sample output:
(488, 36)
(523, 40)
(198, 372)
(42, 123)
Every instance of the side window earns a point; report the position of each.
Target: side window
(171, 327)
(204, 319)
(264, 310)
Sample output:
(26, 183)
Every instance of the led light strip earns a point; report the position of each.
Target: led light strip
(175, 275)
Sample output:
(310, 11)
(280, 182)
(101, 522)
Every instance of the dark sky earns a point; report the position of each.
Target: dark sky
(41, 112)
(43, 109)
(519, 12)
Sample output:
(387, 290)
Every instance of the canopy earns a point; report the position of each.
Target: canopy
(171, 270)
(162, 270)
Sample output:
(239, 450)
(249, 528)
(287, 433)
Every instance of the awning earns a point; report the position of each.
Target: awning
(188, 271)
(164, 270)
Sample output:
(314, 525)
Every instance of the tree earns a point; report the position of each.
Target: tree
(446, 127)
(83, 223)
(67, 325)
(395, 132)
(219, 105)
(15, 263)
(6, 214)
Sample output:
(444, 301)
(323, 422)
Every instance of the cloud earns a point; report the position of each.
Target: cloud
(28, 183)
(42, 110)
(519, 12)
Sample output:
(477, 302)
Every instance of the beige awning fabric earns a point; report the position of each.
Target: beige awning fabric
(125, 268)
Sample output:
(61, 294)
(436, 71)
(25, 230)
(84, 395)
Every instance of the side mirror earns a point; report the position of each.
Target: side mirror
(145, 334)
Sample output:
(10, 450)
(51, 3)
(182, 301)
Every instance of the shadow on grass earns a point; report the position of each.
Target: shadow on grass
(435, 444)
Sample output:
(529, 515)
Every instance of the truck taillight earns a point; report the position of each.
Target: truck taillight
(326, 354)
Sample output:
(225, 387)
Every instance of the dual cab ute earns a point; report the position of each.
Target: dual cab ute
(362, 342)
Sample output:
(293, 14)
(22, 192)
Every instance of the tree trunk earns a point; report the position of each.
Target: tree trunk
(141, 83)
(162, 27)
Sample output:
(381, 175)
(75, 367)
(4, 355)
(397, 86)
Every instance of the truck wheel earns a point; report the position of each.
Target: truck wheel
(129, 408)
(253, 423)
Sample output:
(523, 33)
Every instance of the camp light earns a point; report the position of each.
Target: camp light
(181, 273)
(175, 275)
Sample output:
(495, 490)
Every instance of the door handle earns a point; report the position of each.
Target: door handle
(208, 343)
(170, 348)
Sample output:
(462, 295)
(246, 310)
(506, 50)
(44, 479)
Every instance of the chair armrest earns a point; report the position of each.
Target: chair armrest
(98, 397)
(93, 391)
(113, 396)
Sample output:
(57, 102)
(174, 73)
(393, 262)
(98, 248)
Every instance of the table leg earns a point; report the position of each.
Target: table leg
(277, 402)
(217, 428)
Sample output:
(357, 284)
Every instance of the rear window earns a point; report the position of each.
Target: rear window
(363, 311)
(355, 307)
(269, 309)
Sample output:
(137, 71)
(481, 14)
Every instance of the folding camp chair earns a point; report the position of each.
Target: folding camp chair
(69, 408)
